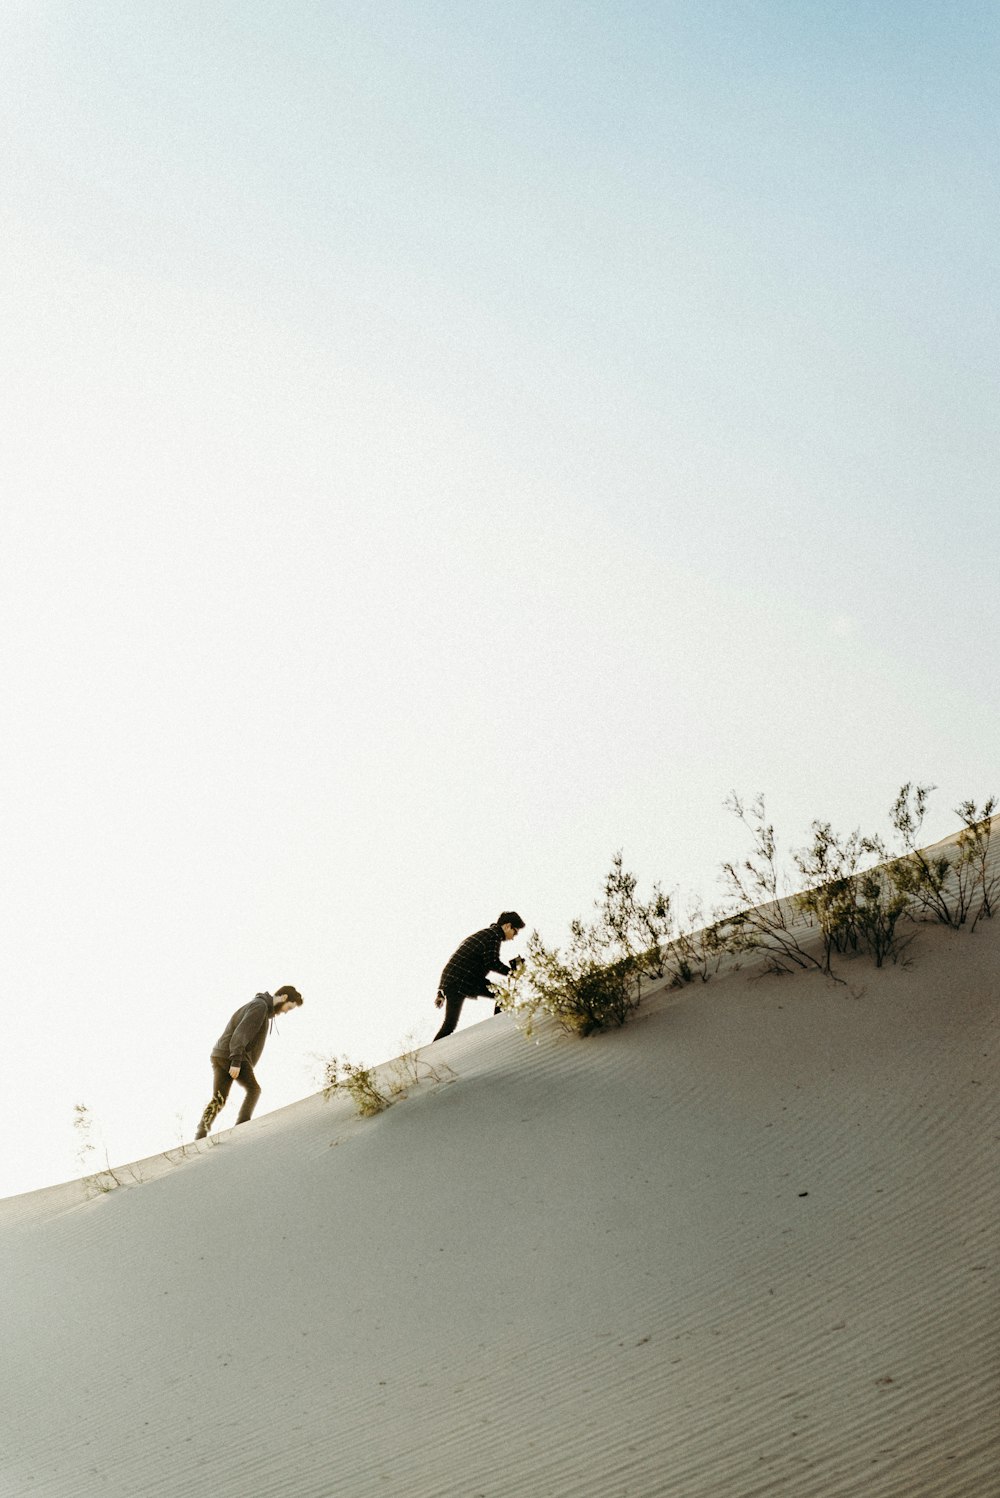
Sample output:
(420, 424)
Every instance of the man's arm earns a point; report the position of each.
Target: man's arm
(494, 963)
(253, 1017)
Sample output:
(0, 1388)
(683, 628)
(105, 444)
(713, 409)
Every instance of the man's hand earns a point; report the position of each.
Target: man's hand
(438, 1000)
(234, 1072)
(516, 963)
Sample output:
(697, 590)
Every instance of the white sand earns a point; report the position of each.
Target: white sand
(747, 1245)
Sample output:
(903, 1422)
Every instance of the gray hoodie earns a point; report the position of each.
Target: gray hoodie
(243, 1038)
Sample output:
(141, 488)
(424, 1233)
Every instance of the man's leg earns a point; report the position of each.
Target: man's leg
(249, 1082)
(221, 1083)
(453, 1008)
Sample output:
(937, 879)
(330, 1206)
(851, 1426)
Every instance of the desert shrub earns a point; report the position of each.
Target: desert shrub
(879, 909)
(649, 933)
(757, 917)
(581, 989)
(830, 865)
(638, 929)
(358, 1082)
(974, 854)
(925, 881)
(946, 887)
(367, 1091)
(858, 894)
(858, 898)
(851, 897)
(697, 948)
(595, 982)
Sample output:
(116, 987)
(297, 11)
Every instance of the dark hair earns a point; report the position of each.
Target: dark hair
(288, 992)
(510, 918)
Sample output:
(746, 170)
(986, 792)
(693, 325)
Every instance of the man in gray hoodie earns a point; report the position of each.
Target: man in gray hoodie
(238, 1049)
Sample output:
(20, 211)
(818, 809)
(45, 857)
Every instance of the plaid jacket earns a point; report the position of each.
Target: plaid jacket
(464, 975)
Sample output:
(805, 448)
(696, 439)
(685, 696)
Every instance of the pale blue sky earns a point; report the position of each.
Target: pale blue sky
(445, 443)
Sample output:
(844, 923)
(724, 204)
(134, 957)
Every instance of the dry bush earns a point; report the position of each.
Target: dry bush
(759, 902)
(372, 1095)
(596, 981)
(358, 1082)
(852, 897)
(698, 948)
(946, 887)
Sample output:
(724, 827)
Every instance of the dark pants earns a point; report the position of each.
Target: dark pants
(453, 1008)
(221, 1083)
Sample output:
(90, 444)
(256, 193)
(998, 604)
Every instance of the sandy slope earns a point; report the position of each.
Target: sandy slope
(747, 1245)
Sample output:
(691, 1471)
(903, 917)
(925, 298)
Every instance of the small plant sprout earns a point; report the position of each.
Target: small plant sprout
(105, 1179)
(83, 1124)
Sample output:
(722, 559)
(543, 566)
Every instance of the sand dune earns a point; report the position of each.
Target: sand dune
(745, 1246)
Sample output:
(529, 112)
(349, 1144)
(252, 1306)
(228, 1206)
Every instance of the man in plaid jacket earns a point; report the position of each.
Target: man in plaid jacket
(465, 972)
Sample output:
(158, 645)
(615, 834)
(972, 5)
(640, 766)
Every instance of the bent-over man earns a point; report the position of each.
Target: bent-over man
(465, 972)
(238, 1049)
